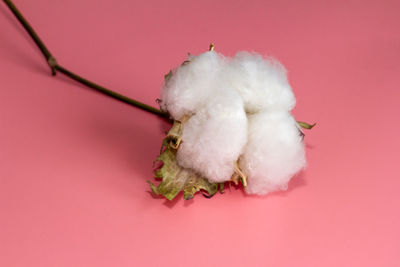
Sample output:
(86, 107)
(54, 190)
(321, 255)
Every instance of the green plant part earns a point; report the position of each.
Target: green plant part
(176, 178)
(306, 125)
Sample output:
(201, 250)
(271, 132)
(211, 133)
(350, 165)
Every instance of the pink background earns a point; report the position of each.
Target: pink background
(73, 163)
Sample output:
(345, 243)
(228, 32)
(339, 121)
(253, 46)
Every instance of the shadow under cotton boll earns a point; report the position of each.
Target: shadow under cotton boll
(132, 146)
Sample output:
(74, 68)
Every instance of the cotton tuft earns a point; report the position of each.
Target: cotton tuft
(192, 85)
(236, 115)
(274, 151)
(214, 137)
(262, 83)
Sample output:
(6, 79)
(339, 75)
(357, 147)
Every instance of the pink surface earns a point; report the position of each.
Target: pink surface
(73, 163)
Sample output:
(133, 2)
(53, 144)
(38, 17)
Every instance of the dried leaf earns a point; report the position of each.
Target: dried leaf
(176, 178)
(305, 125)
(168, 76)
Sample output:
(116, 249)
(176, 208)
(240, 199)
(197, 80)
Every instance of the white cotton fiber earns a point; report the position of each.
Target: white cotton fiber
(274, 152)
(191, 85)
(262, 83)
(214, 137)
(239, 114)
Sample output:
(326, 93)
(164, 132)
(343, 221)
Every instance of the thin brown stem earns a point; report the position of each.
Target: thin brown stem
(55, 67)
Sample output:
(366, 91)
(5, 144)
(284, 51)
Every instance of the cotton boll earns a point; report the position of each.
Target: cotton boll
(261, 82)
(274, 152)
(192, 84)
(238, 109)
(214, 137)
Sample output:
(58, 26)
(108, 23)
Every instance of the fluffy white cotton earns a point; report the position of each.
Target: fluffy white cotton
(274, 152)
(261, 82)
(214, 137)
(239, 111)
(192, 85)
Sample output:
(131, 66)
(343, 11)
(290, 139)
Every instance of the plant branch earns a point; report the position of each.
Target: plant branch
(55, 67)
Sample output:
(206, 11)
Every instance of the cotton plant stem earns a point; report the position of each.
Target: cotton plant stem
(46, 53)
(55, 67)
(108, 92)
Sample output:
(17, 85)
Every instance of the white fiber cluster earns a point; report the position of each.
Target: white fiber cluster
(236, 114)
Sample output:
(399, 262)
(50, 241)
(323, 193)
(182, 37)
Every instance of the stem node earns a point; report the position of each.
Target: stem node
(54, 66)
